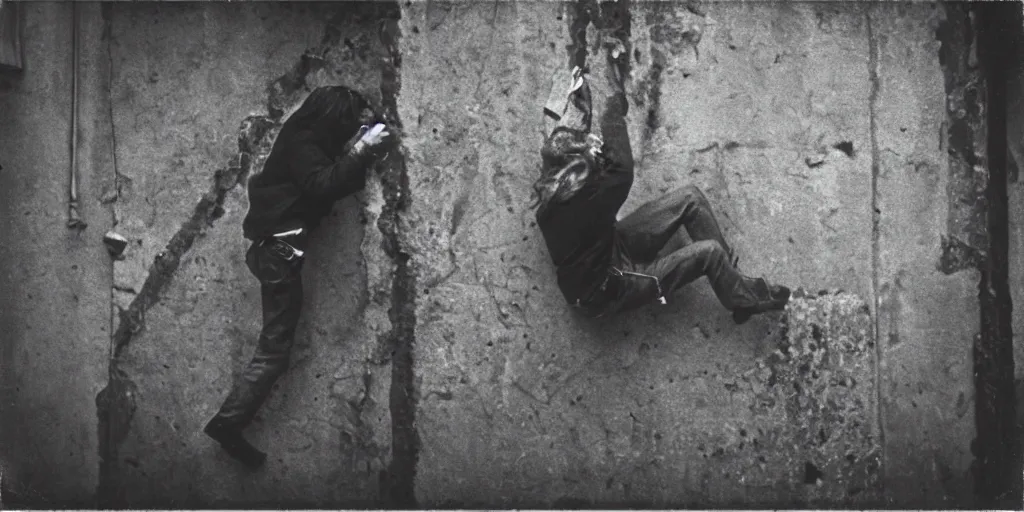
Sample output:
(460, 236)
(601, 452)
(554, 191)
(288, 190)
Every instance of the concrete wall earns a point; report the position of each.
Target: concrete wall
(55, 304)
(1015, 192)
(515, 400)
(178, 115)
(928, 313)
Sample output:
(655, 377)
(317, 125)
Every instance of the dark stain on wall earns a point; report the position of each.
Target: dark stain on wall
(980, 43)
(398, 480)
(966, 241)
(958, 255)
(583, 12)
(671, 33)
(997, 467)
(115, 406)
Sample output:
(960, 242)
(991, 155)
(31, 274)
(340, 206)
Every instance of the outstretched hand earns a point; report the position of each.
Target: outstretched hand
(375, 140)
(376, 136)
(594, 144)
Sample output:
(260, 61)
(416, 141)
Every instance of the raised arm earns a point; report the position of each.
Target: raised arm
(321, 177)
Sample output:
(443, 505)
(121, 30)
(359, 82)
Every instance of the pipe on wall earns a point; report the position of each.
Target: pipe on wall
(74, 220)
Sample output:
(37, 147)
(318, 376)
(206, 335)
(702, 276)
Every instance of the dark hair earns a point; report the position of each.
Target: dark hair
(565, 167)
(331, 113)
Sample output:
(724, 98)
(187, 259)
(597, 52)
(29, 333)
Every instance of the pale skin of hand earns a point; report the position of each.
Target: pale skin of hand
(371, 138)
(595, 143)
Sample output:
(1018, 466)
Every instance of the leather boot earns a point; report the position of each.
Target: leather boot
(232, 441)
(769, 298)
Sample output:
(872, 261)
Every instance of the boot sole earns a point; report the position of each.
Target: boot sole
(741, 315)
(215, 435)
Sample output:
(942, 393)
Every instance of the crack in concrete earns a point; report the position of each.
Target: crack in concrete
(997, 462)
(132, 320)
(578, 32)
(964, 86)
(876, 214)
(115, 404)
(399, 478)
(108, 37)
(115, 407)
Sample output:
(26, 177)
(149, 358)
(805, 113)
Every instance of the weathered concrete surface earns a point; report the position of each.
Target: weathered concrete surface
(998, 466)
(523, 404)
(927, 318)
(54, 282)
(1015, 191)
(797, 119)
(183, 85)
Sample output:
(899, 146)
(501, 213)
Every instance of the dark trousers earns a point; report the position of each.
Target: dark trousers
(281, 294)
(639, 276)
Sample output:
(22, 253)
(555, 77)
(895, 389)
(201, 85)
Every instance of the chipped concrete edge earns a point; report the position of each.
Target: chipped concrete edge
(975, 60)
(398, 489)
(998, 444)
(880, 361)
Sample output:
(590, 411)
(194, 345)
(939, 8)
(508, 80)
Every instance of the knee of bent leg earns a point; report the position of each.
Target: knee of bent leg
(693, 191)
(689, 194)
(711, 250)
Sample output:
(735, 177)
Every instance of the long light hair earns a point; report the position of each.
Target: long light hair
(565, 168)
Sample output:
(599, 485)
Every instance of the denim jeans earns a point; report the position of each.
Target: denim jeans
(639, 276)
(281, 294)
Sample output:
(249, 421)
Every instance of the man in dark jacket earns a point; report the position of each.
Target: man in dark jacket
(321, 155)
(606, 266)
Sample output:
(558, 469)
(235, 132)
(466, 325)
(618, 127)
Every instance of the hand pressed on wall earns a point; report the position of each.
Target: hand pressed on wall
(375, 140)
(595, 144)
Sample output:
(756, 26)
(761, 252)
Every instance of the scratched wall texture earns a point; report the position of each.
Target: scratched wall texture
(436, 364)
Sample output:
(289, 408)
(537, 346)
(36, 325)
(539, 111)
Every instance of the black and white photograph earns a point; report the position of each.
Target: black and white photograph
(511, 254)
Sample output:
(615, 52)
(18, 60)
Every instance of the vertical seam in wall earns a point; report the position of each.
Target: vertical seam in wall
(108, 30)
(400, 487)
(998, 467)
(106, 17)
(875, 241)
(110, 108)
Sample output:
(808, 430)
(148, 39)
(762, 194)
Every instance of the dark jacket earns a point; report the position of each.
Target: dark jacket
(299, 184)
(580, 233)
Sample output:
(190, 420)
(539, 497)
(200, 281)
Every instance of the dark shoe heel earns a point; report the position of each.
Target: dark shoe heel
(236, 446)
(778, 298)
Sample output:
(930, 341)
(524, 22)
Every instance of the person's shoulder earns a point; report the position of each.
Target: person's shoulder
(302, 136)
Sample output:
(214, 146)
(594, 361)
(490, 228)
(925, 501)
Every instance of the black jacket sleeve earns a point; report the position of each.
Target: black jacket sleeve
(323, 178)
